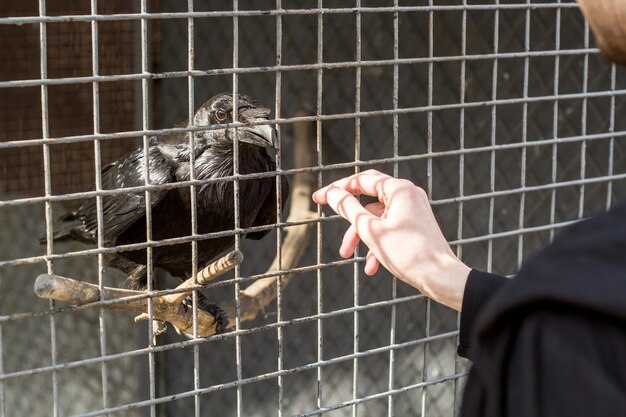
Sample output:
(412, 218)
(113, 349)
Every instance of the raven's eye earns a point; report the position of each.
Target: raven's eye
(221, 115)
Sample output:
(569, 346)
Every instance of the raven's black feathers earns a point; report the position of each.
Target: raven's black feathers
(122, 210)
(124, 215)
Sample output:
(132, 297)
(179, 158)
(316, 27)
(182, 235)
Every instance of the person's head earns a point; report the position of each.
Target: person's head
(607, 18)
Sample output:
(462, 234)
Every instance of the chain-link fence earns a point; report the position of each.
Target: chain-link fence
(502, 110)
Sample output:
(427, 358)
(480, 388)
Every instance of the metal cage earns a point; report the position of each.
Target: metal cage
(502, 110)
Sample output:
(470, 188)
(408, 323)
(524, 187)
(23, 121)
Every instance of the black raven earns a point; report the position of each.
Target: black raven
(124, 215)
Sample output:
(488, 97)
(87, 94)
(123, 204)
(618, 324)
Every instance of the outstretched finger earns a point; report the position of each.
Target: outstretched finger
(351, 237)
(371, 264)
(350, 241)
(347, 206)
(369, 183)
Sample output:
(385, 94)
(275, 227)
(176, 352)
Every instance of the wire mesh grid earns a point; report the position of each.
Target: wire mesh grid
(503, 111)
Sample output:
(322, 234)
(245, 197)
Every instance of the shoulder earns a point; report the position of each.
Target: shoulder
(583, 268)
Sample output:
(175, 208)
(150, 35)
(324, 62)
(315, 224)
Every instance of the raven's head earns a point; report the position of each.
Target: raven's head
(219, 110)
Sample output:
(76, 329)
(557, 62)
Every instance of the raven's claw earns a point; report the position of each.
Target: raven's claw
(219, 316)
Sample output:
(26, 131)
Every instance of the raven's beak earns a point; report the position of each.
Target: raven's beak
(260, 135)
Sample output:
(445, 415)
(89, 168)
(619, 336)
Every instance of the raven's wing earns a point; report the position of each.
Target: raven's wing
(122, 210)
(267, 212)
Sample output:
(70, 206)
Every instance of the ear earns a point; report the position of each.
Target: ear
(607, 18)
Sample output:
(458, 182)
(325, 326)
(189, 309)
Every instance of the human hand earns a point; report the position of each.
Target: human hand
(400, 231)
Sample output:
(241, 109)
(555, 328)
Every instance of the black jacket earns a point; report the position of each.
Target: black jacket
(551, 341)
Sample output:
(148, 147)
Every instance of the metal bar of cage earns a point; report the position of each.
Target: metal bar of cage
(429, 192)
(394, 283)
(555, 118)
(279, 291)
(357, 157)
(191, 106)
(492, 154)
(424, 385)
(236, 208)
(583, 127)
(284, 12)
(145, 123)
(522, 203)
(460, 207)
(609, 189)
(285, 68)
(43, 62)
(319, 231)
(98, 186)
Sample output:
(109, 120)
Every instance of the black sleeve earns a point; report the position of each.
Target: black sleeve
(479, 289)
(552, 341)
(550, 360)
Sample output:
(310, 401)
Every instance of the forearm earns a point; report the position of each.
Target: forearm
(455, 285)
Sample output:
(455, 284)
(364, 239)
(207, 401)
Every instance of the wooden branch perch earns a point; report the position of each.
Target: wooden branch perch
(254, 299)
(167, 308)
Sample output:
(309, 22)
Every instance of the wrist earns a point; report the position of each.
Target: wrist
(445, 282)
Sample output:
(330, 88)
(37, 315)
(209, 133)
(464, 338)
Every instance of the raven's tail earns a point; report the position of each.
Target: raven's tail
(68, 227)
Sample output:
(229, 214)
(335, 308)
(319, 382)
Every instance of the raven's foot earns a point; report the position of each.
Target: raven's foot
(219, 316)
